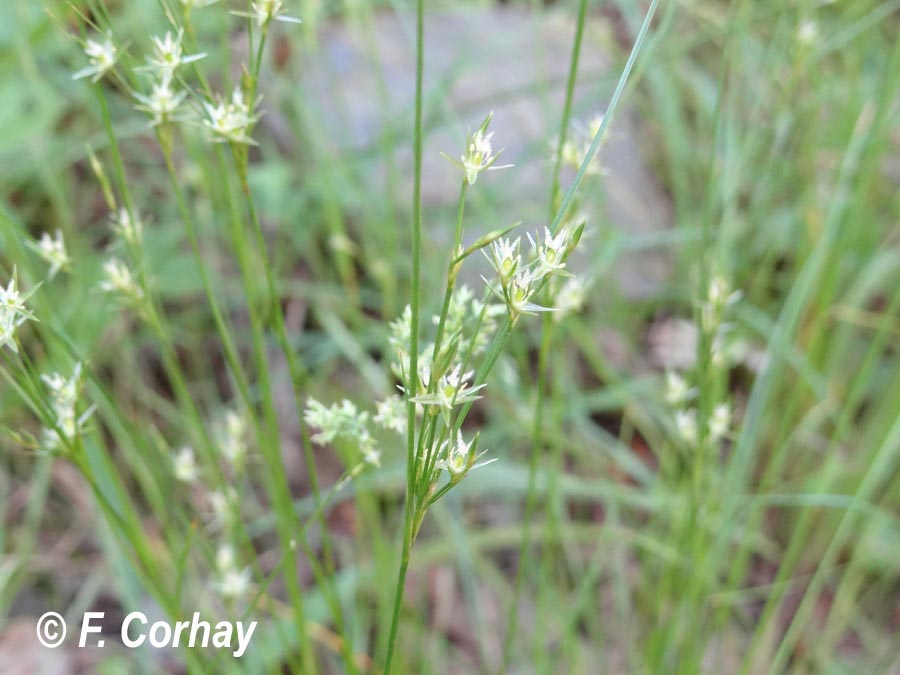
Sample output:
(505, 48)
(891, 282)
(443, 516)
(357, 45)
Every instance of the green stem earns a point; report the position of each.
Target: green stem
(567, 104)
(298, 376)
(601, 131)
(413, 385)
(429, 446)
(277, 485)
(531, 494)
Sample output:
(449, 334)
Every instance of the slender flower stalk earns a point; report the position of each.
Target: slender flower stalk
(413, 384)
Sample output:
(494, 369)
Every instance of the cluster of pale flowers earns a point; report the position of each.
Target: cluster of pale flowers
(479, 155)
(233, 581)
(52, 249)
(102, 56)
(118, 278)
(228, 120)
(719, 297)
(13, 313)
(231, 121)
(230, 438)
(342, 422)
(67, 423)
(444, 381)
(679, 394)
(519, 280)
(166, 58)
(127, 227)
(471, 322)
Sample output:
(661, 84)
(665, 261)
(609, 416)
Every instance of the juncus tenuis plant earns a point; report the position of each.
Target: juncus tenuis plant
(249, 389)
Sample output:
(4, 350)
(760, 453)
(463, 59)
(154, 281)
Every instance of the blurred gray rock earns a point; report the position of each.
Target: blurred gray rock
(360, 86)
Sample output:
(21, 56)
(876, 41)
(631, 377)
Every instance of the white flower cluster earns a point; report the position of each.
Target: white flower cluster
(163, 100)
(67, 424)
(184, 466)
(570, 297)
(719, 297)
(102, 58)
(232, 439)
(53, 250)
(391, 414)
(453, 389)
(678, 395)
(453, 386)
(118, 279)
(231, 121)
(459, 457)
(13, 313)
(470, 323)
(127, 227)
(518, 281)
(234, 582)
(223, 505)
(479, 155)
(342, 422)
